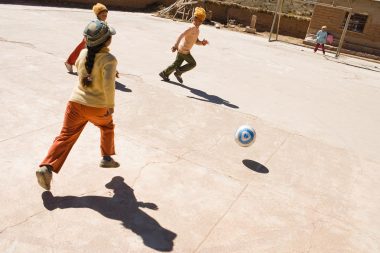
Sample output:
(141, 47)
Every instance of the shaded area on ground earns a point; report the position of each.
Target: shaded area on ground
(123, 206)
(122, 87)
(206, 97)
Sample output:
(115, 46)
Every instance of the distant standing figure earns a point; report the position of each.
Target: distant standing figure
(321, 39)
(101, 13)
(92, 100)
(183, 45)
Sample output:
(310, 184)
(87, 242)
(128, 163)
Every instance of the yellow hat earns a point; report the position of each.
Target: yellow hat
(324, 27)
(98, 8)
(200, 13)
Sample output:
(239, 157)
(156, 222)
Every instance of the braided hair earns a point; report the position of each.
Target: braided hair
(90, 60)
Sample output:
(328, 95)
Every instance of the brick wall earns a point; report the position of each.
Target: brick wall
(289, 25)
(368, 41)
(332, 18)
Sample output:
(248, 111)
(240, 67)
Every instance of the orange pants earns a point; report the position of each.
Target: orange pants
(74, 55)
(76, 118)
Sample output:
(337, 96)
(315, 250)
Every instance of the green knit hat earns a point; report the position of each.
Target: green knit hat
(97, 32)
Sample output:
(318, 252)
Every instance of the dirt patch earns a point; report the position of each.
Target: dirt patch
(223, 12)
(299, 8)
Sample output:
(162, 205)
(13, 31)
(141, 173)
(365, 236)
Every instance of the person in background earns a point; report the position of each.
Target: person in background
(183, 45)
(101, 13)
(321, 39)
(91, 100)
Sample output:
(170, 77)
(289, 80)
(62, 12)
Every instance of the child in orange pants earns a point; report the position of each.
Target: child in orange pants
(92, 100)
(76, 117)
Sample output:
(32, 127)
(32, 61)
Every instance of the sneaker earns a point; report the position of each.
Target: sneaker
(165, 77)
(44, 177)
(178, 76)
(69, 67)
(109, 163)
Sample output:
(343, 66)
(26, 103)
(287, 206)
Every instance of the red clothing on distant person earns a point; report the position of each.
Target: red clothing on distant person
(319, 45)
(74, 55)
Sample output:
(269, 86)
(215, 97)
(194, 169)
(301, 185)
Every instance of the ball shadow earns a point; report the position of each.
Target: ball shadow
(255, 166)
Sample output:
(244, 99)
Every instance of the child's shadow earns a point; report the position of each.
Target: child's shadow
(121, 87)
(123, 206)
(206, 97)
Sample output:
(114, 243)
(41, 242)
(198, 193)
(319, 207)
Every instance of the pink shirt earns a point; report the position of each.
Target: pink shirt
(187, 39)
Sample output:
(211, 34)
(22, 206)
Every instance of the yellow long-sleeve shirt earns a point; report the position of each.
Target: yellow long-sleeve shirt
(101, 93)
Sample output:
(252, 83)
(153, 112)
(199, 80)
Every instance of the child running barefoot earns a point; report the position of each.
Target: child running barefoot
(101, 13)
(183, 45)
(92, 100)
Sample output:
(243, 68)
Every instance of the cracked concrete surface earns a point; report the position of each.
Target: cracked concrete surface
(308, 184)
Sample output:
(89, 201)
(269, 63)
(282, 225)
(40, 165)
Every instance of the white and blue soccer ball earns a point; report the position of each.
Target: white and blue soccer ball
(245, 136)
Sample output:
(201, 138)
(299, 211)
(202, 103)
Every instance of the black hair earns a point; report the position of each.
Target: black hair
(90, 59)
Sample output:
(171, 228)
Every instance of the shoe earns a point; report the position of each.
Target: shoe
(165, 77)
(44, 177)
(109, 163)
(69, 67)
(178, 76)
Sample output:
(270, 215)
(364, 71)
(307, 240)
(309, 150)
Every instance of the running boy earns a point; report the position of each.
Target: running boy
(183, 45)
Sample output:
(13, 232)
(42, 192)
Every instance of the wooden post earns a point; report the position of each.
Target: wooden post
(274, 19)
(253, 21)
(343, 34)
(279, 18)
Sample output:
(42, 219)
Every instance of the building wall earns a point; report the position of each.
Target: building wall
(291, 26)
(368, 41)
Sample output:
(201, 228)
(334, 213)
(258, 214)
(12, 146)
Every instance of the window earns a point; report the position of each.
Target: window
(357, 22)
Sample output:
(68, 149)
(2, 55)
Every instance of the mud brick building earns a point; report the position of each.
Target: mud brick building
(363, 32)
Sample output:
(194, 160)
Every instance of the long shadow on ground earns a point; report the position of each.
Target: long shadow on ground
(206, 97)
(123, 206)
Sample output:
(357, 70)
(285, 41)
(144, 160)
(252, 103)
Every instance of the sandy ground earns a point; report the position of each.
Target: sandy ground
(308, 184)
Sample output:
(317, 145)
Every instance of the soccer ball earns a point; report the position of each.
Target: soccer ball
(245, 136)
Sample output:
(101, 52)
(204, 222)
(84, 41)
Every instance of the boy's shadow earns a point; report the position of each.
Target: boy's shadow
(123, 206)
(207, 98)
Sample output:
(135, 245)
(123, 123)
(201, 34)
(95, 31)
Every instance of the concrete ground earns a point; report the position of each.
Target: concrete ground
(308, 184)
